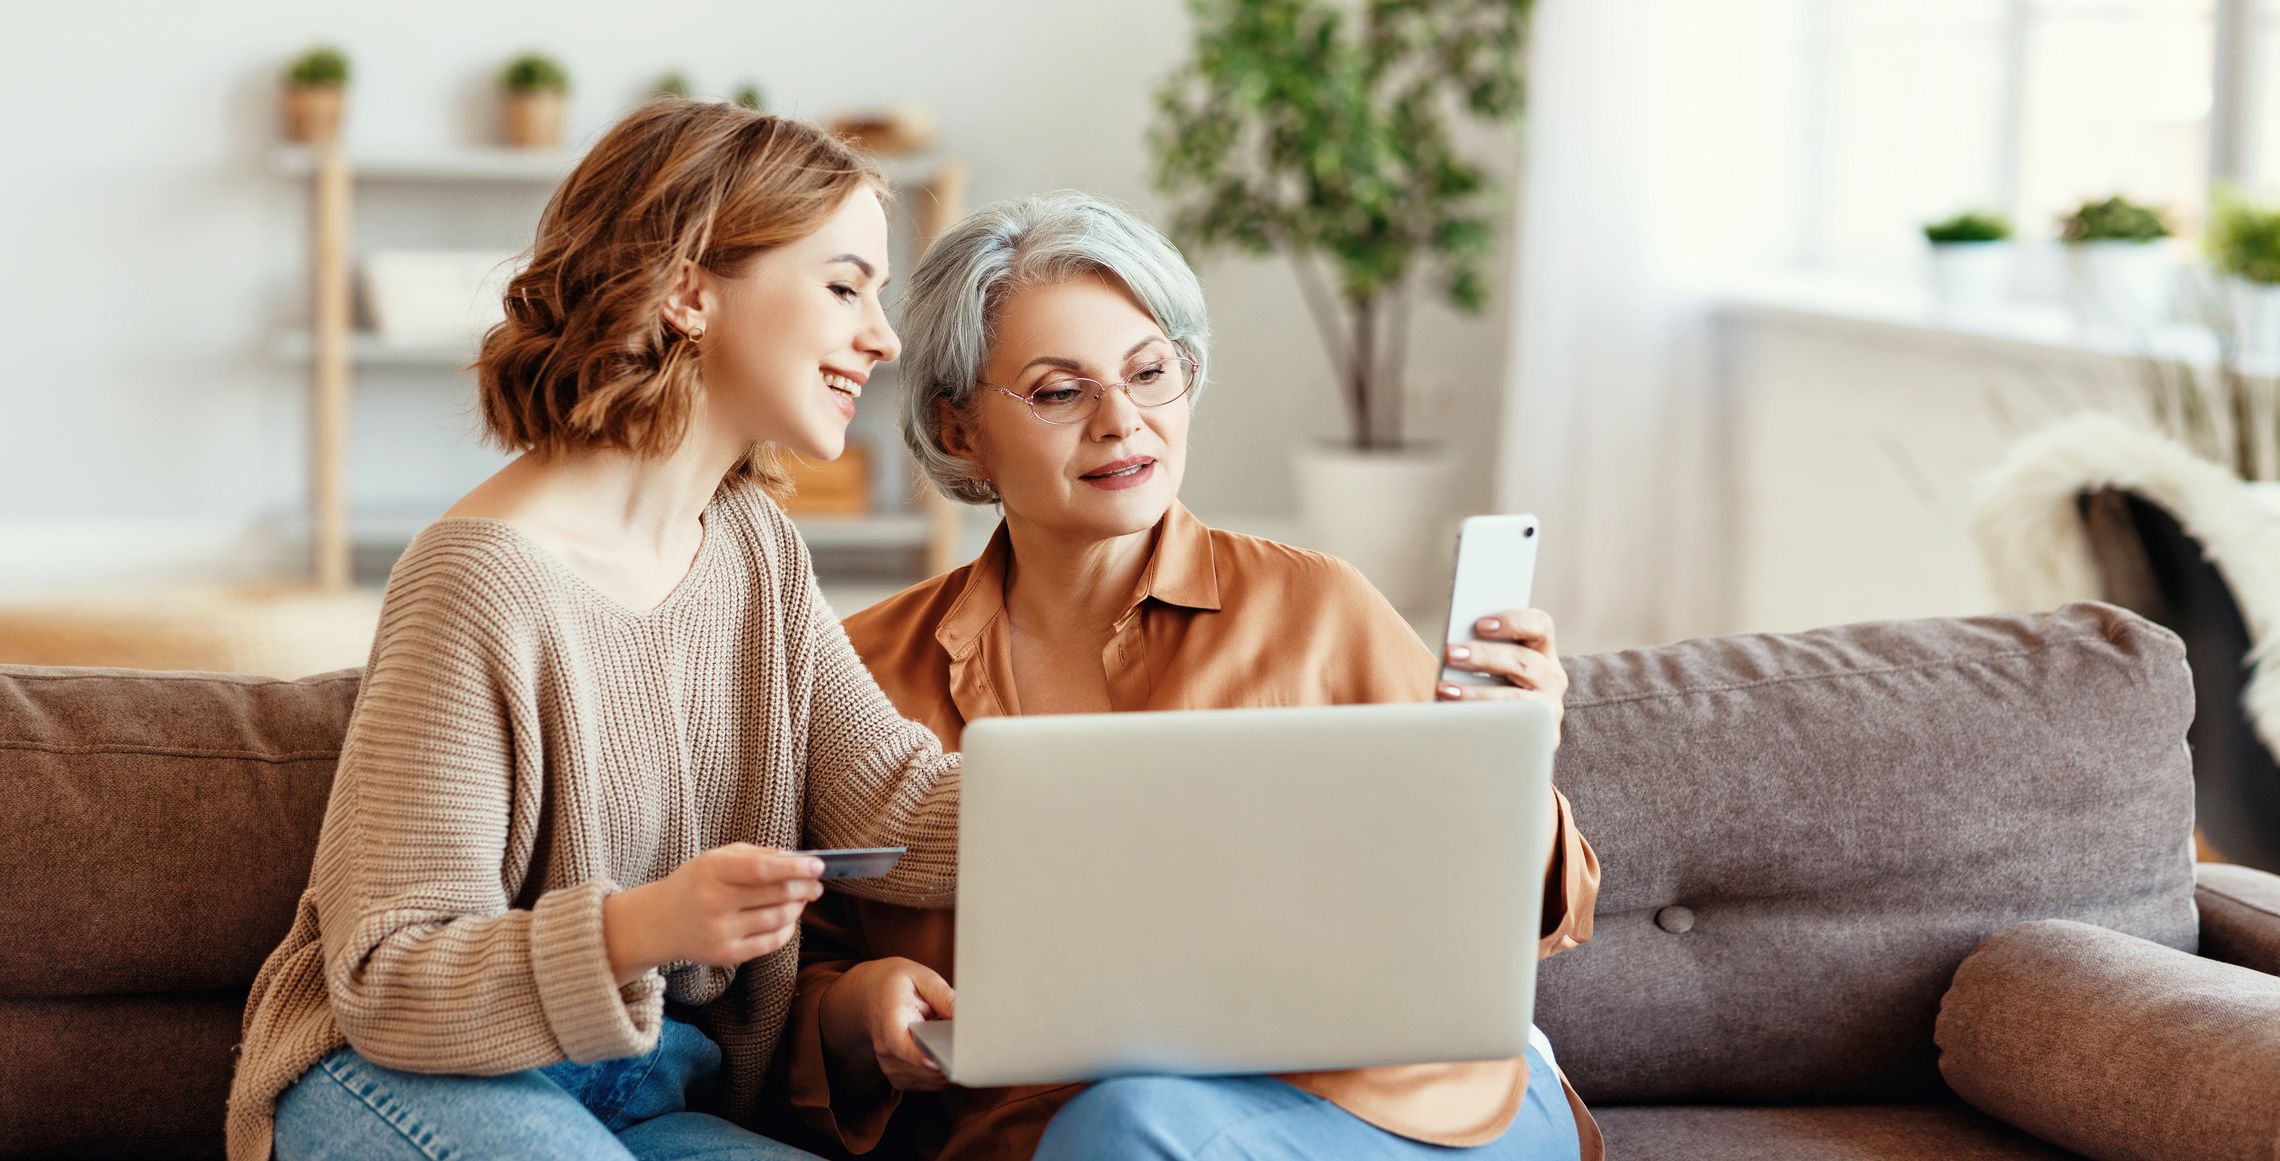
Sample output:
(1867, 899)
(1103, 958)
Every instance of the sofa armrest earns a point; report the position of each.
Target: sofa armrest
(2113, 1046)
(2240, 916)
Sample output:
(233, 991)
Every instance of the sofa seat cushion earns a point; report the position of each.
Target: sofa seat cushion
(117, 1077)
(1947, 1132)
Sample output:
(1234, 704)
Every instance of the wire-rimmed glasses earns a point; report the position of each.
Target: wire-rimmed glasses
(1164, 376)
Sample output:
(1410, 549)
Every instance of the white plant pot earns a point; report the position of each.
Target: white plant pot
(2114, 285)
(2255, 311)
(1384, 512)
(1970, 275)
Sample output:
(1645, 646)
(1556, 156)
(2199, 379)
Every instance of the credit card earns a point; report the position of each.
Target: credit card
(856, 862)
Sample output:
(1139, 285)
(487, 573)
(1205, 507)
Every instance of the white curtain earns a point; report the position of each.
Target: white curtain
(1663, 155)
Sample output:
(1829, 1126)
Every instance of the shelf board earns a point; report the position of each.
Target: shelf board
(492, 165)
(463, 165)
(874, 531)
(394, 530)
(366, 349)
(370, 350)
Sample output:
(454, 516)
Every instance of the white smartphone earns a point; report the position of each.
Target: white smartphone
(1496, 569)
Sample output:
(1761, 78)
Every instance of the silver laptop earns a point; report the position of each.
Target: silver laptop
(1242, 891)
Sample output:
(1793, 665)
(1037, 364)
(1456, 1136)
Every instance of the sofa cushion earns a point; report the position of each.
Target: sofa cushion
(2240, 916)
(2115, 1047)
(116, 1076)
(1844, 815)
(159, 826)
(1859, 1133)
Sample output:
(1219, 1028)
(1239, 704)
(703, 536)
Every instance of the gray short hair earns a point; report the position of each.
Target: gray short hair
(949, 314)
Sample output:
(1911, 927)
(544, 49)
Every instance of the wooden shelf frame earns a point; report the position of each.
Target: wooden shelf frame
(935, 188)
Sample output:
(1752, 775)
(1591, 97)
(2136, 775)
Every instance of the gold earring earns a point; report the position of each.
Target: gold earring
(696, 335)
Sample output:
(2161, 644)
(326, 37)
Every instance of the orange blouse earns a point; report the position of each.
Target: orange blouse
(1218, 621)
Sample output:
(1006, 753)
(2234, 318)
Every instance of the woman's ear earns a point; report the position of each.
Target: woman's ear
(956, 439)
(690, 299)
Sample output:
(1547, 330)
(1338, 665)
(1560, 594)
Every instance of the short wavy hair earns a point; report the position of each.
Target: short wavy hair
(949, 314)
(585, 357)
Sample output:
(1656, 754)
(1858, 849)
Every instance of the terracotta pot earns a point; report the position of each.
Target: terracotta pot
(312, 113)
(532, 120)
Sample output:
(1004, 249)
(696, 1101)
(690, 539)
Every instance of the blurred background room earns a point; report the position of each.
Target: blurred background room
(1779, 313)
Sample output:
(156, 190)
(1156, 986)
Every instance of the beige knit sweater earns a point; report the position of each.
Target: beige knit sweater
(522, 747)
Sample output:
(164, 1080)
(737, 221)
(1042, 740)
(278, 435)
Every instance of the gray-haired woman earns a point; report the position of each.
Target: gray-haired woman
(1055, 349)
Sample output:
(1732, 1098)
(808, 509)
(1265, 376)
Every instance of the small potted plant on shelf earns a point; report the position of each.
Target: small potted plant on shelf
(748, 95)
(315, 86)
(2118, 273)
(1971, 259)
(672, 84)
(535, 90)
(2243, 244)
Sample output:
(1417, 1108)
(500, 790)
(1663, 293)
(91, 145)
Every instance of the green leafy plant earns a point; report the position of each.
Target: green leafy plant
(2243, 238)
(321, 66)
(1323, 130)
(533, 73)
(1969, 226)
(748, 95)
(672, 84)
(2117, 219)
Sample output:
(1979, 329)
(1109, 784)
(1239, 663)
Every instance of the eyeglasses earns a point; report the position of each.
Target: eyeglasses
(1072, 399)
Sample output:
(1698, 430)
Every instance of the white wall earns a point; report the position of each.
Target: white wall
(1860, 448)
(150, 254)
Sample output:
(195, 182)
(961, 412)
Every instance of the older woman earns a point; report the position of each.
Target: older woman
(1055, 352)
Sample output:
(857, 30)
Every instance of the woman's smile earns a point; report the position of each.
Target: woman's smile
(1125, 473)
(846, 387)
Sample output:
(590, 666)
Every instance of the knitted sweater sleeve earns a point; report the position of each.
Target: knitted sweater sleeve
(428, 965)
(875, 778)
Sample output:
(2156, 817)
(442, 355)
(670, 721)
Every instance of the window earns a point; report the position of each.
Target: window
(2029, 107)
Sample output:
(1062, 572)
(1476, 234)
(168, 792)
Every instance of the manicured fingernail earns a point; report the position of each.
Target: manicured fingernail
(1460, 653)
(812, 866)
(1450, 691)
(1488, 625)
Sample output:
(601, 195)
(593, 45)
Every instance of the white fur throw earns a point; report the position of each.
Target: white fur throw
(2037, 552)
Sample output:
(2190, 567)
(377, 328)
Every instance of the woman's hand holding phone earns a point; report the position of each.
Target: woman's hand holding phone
(722, 908)
(1516, 647)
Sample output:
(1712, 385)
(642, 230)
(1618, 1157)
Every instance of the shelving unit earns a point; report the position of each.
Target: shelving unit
(933, 187)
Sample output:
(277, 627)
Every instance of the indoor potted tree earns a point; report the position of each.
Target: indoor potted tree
(2117, 272)
(535, 90)
(1324, 131)
(2243, 244)
(1970, 259)
(315, 87)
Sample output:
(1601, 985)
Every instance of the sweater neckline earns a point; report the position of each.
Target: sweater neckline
(692, 581)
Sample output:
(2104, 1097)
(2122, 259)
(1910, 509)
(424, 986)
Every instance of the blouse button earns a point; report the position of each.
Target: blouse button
(1674, 919)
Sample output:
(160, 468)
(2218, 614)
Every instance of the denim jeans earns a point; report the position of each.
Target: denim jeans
(637, 1107)
(1259, 1118)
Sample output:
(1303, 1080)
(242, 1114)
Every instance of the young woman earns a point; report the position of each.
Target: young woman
(550, 914)
(1058, 344)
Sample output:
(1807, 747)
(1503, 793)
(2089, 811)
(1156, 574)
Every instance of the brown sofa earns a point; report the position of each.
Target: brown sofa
(1804, 837)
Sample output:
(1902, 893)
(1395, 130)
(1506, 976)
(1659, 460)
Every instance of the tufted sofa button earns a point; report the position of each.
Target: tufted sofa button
(1675, 919)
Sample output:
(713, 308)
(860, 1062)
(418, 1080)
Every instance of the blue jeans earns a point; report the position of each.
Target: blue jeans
(1259, 1118)
(637, 1107)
